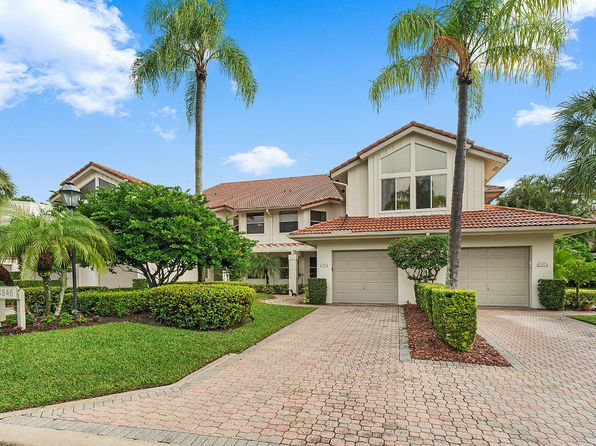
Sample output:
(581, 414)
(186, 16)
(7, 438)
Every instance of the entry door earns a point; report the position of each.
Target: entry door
(500, 276)
(364, 277)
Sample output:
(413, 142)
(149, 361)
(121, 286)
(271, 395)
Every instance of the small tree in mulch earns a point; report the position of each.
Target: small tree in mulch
(420, 257)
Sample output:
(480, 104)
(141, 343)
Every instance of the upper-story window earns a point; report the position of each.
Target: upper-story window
(88, 188)
(236, 223)
(288, 221)
(317, 217)
(255, 223)
(414, 179)
(103, 184)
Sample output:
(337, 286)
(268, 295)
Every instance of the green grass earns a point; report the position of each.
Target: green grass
(589, 319)
(264, 296)
(49, 367)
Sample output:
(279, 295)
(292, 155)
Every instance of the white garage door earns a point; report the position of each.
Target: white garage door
(364, 277)
(500, 276)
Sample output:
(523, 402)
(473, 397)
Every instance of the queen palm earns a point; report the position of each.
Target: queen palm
(575, 142)
(44, 243)
(264, 266)
(7, 187)
(191, 34)
(470, 42)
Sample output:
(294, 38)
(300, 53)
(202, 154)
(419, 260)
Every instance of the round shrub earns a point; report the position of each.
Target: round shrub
(201, 307)
(551, 293)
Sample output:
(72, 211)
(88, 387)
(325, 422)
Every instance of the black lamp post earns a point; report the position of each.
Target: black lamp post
(71, 195)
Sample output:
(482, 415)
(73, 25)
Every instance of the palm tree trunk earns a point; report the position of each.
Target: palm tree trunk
(459, 171)
(62, 291)
(200, 99)
(46, 285)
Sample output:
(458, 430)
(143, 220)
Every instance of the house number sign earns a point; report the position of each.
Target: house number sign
(13, 293)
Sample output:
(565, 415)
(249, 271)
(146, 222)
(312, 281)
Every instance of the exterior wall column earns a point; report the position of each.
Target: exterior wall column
(293, 273)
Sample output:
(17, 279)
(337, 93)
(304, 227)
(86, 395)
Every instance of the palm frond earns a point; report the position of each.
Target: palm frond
(190, 98)
(7, 187)
(413, 30)
(235, 65)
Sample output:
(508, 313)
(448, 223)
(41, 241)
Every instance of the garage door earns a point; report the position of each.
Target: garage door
(364, 277)
(500, 276)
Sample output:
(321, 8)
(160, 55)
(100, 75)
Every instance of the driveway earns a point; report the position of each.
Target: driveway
(335, 377)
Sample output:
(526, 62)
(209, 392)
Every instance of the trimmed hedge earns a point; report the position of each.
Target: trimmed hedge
(586, 296)
(551, 293)
(140, 283)
(258, 287)
(32, 283)
(112, 303)
(316, 292)
(423, 293)
(35, 297)
(200, 306)
(454, 315)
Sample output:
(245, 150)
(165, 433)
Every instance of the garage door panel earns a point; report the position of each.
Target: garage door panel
(364, 277)
(500, 276)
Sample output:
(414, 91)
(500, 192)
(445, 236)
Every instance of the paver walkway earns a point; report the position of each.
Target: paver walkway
(334, 377)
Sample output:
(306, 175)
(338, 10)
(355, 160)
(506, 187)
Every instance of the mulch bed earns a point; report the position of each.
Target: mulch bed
(424, 343)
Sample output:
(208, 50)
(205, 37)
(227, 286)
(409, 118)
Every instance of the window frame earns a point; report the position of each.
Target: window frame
(249, 224)
(286, 222)
(284, 273)
(316, 222)
(412, 175)
(311, 267)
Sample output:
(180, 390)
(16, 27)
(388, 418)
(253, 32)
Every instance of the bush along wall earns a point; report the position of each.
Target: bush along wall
(35, 297)
(423, 293)
(551, 293)
(201, 307)
(586, 296)
(316, 291)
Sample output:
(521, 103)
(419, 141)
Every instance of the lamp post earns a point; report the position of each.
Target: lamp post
(71, 195)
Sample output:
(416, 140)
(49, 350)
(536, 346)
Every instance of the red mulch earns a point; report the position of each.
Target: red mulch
(424, 343)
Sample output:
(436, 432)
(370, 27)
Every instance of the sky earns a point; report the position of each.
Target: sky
(66, 99)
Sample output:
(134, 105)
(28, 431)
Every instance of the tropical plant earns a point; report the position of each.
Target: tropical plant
(45, 243)
(575, 142)
(580, 273)
(420, 257)
(7, 187)
(470, 41)
(264, 266)
(562, 256)
(163, 232)
(191, 34)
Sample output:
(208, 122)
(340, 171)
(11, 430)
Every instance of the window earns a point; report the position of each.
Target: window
(312, 266)
(285, 268)
(288, 221)
(88, 188)
(236, 223)
(255, 223)
(414, 183)
(103, 184)
(317, 217)
(431, 191)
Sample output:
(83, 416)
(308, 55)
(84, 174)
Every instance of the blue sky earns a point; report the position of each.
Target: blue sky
(65, 98)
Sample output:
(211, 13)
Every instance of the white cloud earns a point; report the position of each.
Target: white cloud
(568, 63)
(508, 183)
(165, 134)
(166, 111)
(77, 49)
(260, 160)
(582, 9)
(234, 86)
(537, 115)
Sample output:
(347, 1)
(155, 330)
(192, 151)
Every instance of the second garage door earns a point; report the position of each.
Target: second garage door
(364, 277)
(500, 276)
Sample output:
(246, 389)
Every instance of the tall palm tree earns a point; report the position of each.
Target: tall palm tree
(575, 142)
(45, 243)
(264, 266)
(470, 42)
(7, 187)
(191, 34)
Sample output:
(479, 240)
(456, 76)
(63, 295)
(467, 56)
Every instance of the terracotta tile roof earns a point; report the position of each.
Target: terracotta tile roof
(420, 126)
(98, 166)
(274, 193)
(279, 245)
(490, 217)
(492, 191)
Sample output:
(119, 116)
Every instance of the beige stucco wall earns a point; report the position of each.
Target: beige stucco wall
(363, 193)
(540, 245)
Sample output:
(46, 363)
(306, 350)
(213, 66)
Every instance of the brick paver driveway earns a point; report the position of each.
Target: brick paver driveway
(335, 377)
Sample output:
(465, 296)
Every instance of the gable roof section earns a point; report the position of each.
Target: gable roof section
(492, 191)
(116, 173)
(419, 125)
(289, 192)
(490, 217)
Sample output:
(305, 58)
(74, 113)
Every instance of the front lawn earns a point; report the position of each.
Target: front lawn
(49, 367)
(589, 319)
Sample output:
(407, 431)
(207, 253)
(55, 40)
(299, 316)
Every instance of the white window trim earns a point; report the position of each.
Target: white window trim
(412, 174)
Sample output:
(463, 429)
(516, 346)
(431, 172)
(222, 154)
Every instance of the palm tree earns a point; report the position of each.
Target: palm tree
(264, 266)
(45, 243)
(191, 34)
(471, 42)
(7, 187)
(575, 142)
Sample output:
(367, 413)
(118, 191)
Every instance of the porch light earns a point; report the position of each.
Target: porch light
(71, 195)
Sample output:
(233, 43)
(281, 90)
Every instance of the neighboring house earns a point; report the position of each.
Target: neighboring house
(268, 210)
(400, 186)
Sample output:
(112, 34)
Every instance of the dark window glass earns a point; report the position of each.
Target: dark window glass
(402, 193)
(288, 221)
(317, 217)
(88, 188)
(312, 267)
(236, 223)
(439, 186)
(285, 268)
(431, 191)
(423, 192)
(255, 223)
(388, 194)
(103, 184)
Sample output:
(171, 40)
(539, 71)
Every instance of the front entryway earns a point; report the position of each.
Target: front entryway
(364, 277)
(500, 276)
